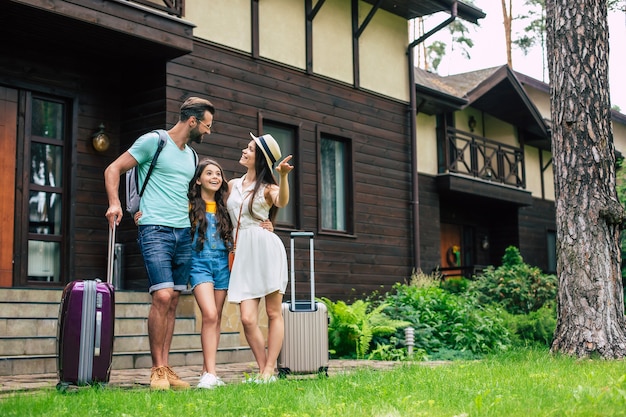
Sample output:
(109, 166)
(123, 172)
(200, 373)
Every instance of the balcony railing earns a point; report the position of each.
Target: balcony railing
(173, 7)
(468, 154)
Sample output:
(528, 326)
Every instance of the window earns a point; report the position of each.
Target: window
(285, 135)
(44, 162)
(551, 240)
(335, 184)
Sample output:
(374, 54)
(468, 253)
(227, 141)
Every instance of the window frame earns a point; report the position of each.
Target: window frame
(295, 199)
(23, 235)
(334, 134)
(551, 255)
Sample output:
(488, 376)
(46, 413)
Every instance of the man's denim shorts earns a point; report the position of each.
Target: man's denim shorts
(210, 267)
(167, 256)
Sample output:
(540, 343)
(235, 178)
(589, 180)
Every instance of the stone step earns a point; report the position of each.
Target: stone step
(35, 327)
(139, 325)
(30, 295)
(28, 327)
(46, 345)
(39, 364)
(29, 320)
(54, 295)
(40, 309)
(39, 345)
(29, 309)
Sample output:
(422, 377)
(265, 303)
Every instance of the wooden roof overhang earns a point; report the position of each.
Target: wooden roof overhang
(495, 91)
(411, 9)
(111, 30)
(503, 96)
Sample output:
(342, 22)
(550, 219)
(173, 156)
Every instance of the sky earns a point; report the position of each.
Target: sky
(489, 48)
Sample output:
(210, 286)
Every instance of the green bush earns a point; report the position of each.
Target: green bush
(516, 286)
(535, 328)
(442, 320)
(455, 285)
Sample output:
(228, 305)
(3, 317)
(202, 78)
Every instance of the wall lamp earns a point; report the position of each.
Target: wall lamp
(100, 140)
(471, 123)
(484, 243)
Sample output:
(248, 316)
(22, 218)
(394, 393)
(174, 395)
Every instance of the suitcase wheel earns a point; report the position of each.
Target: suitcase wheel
(62, 387)
(283, 372)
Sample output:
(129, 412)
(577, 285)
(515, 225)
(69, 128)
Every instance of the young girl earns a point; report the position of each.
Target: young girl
(212, 238)
(260, 268)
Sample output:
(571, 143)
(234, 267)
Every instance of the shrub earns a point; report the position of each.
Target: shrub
(442, 320)
(535, 328)
(455, 285)
(516, 286)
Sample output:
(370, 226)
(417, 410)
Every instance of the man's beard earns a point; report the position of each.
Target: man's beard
(198, 138)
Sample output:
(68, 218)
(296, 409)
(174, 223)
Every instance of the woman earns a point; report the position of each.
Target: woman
(260, 267)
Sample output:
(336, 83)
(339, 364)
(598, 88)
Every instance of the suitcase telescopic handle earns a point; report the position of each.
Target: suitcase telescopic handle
(293, 271)
(111, 253)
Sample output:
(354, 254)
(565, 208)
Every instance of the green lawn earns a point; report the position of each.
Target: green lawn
(524, 383)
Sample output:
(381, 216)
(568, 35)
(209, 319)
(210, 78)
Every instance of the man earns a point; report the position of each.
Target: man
(164, 230)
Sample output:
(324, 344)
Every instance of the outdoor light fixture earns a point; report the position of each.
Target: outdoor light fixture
(101, 141)
(485, 242)
(471, 123)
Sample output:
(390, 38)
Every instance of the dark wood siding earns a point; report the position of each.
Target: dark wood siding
(430, 226)
(379, 252)
(111, 70)
(126, 101)
(534, 223)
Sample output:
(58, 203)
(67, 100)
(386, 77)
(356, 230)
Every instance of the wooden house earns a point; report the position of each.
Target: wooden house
(396, 169)
(329, 79)
(485, 169)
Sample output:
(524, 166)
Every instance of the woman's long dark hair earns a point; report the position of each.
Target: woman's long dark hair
(264, 175)
(197, 208)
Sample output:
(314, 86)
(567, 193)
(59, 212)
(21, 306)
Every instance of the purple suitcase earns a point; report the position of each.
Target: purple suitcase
(85, 328)
(305, 344)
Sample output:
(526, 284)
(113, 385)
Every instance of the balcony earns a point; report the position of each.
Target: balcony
(173, 7)
(133, 32)
(472, 164)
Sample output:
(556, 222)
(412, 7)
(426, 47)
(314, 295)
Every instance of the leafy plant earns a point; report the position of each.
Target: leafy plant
(387, 352)
(442, 320)
(536, 327)
(516, 286)
(352, 327)
(455, 285)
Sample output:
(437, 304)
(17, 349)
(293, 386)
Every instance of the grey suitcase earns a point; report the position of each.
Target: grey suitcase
(305, 345)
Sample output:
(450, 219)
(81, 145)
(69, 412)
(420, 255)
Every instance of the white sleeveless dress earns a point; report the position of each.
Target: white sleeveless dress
(260, 266)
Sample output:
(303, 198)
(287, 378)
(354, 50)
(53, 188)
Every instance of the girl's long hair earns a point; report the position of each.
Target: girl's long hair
(264, 175)
(197, 208)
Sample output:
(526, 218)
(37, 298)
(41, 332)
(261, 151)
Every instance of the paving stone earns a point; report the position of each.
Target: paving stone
(231, 373)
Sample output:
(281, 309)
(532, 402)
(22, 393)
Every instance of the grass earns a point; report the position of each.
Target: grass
(524, 383)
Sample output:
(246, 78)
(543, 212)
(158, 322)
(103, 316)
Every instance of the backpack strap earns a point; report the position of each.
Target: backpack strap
(195, 156)
(162, 141)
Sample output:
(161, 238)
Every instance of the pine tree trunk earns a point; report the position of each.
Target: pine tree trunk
(507, 16)
(589, 215)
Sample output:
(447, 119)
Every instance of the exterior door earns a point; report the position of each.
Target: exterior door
(8, 123)
(451, 238)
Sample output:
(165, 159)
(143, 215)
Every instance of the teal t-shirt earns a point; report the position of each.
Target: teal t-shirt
(164, 201)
